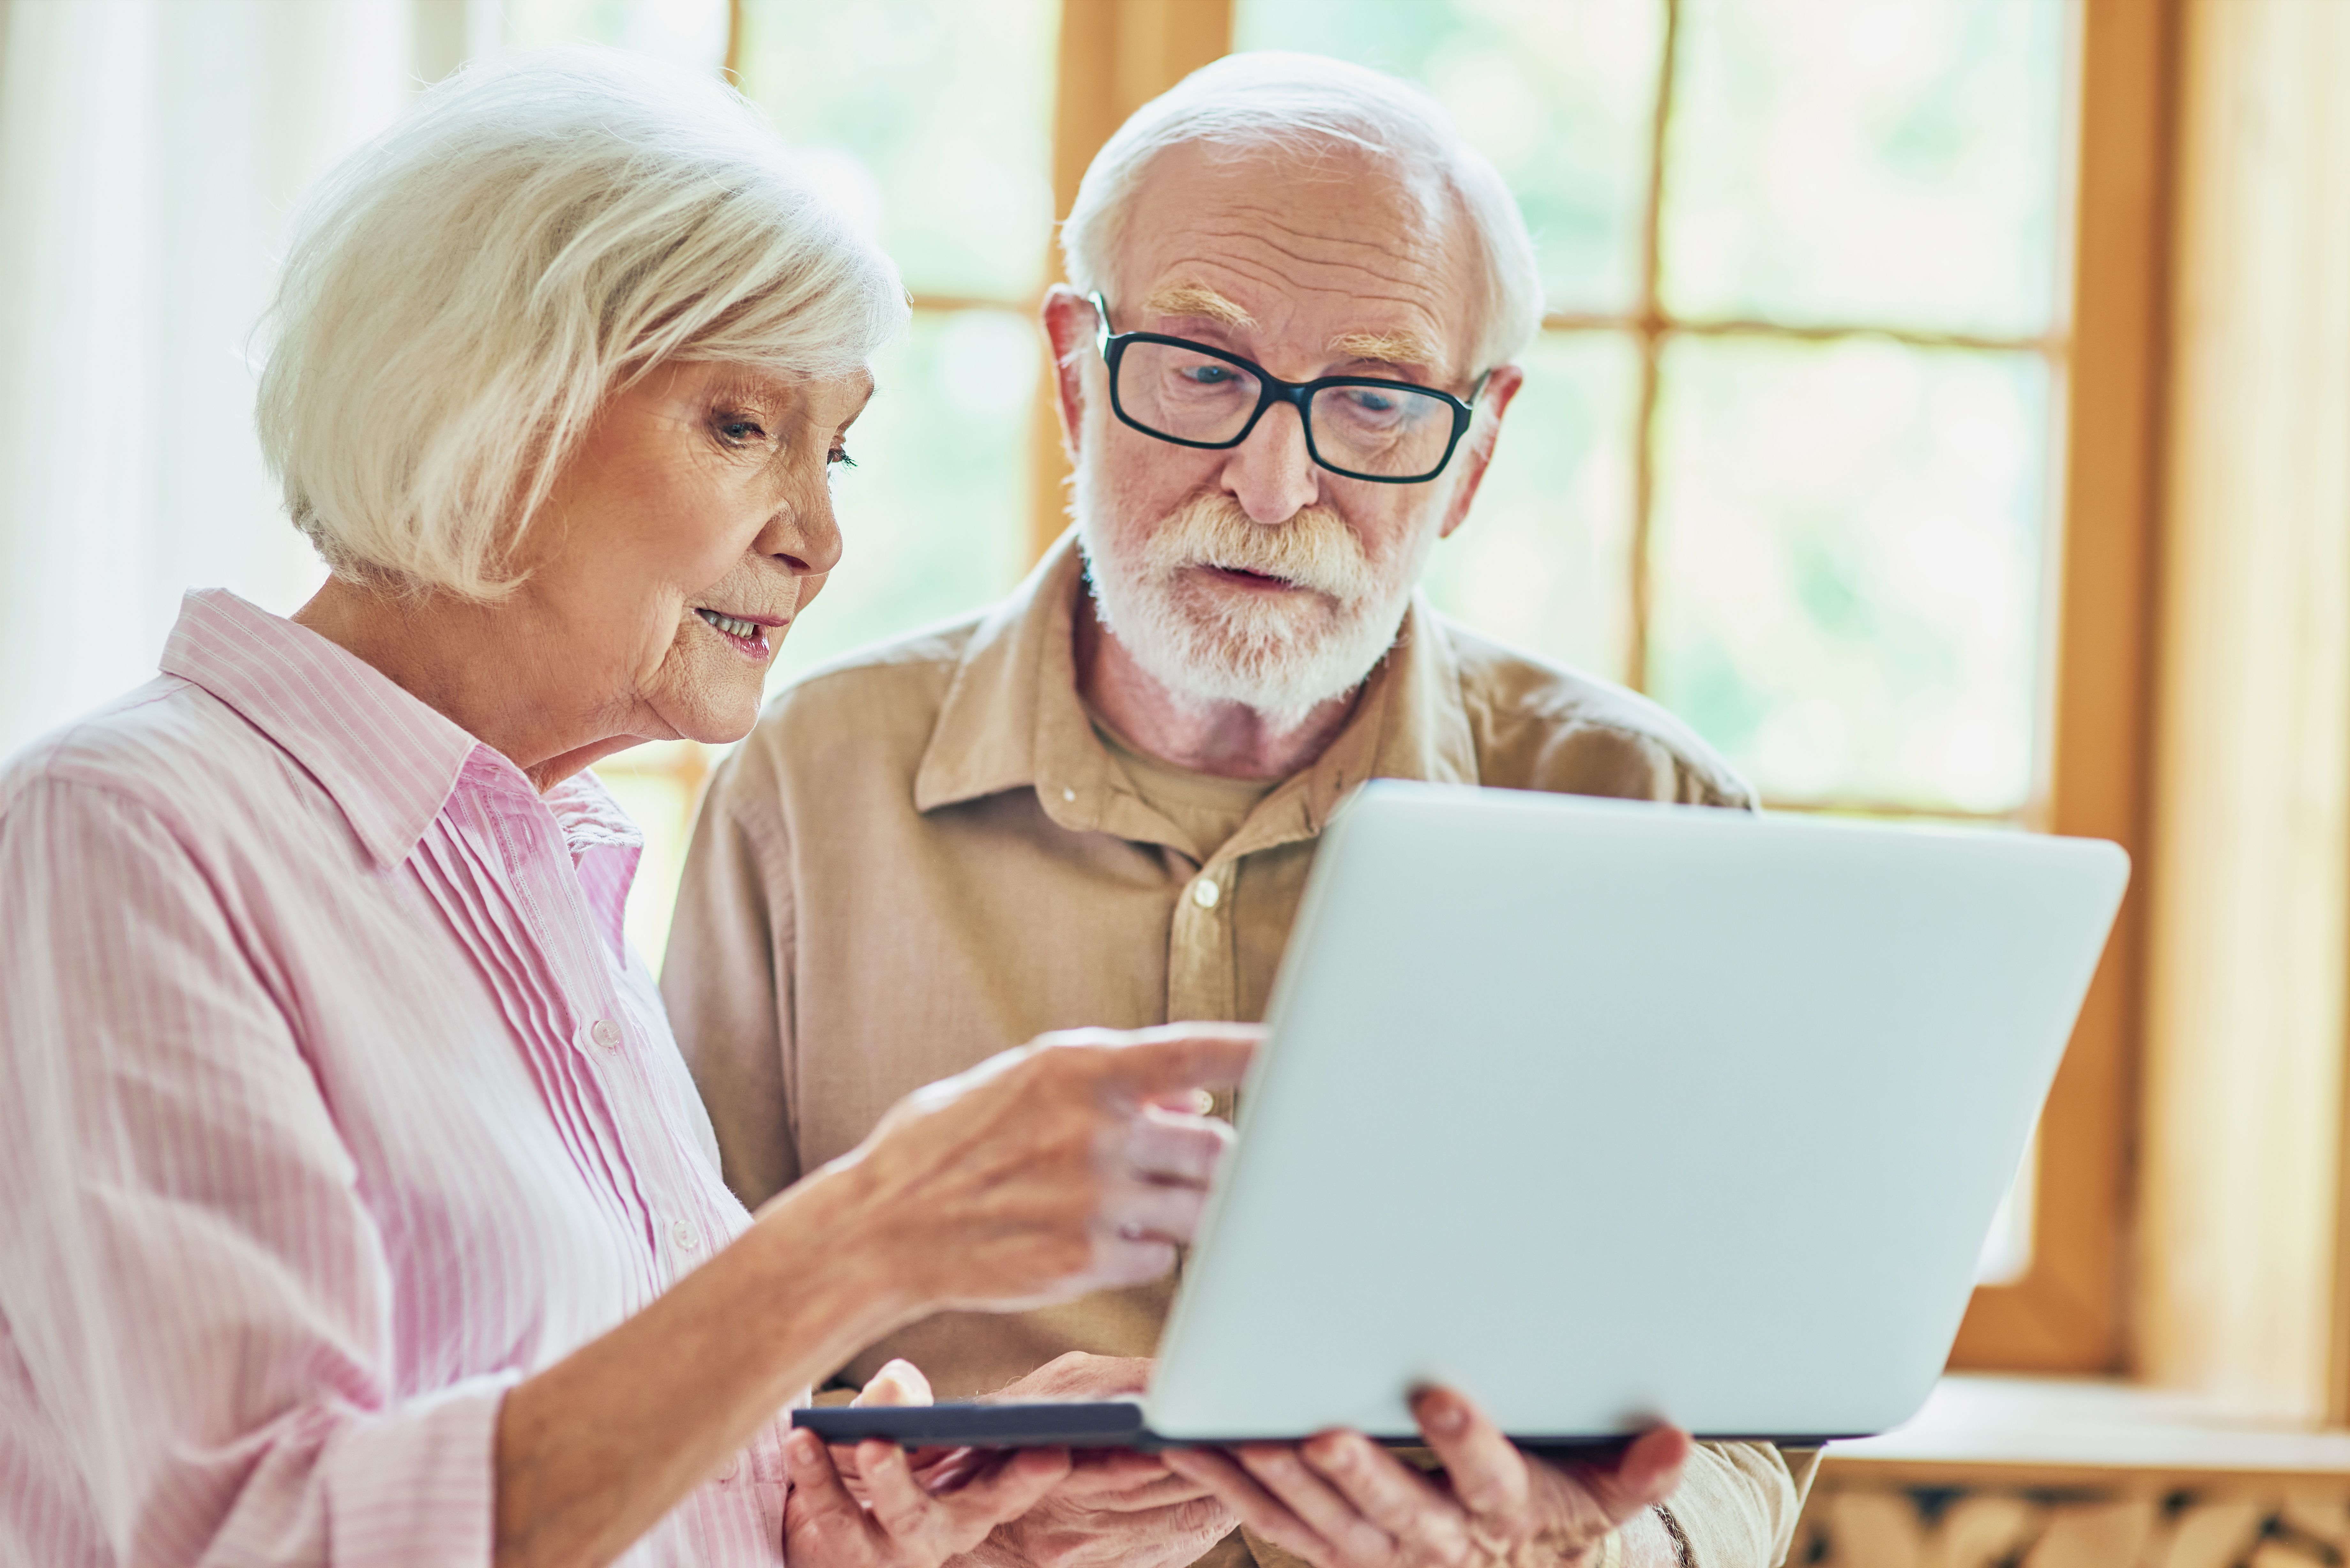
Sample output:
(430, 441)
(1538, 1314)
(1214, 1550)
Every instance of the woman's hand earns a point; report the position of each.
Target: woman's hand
(902, 1525)
(1042, 1174)
(894, 1515)
(1073, 1164)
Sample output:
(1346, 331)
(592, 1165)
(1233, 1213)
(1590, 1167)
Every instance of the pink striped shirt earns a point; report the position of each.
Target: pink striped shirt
(333, 1104)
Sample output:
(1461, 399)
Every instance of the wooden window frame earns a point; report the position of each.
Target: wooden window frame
(2066, 1313)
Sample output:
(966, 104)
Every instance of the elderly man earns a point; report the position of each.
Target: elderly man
(1284, 360)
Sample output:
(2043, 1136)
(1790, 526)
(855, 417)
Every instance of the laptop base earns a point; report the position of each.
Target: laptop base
(1116, 1424)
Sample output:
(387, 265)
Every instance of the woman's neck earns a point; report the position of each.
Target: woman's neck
(479, 667)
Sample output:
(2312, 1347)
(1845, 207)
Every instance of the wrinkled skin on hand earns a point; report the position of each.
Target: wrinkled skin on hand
(1343, 1501)
(1115, 1506)
(1073, 1164)
(885, 1509)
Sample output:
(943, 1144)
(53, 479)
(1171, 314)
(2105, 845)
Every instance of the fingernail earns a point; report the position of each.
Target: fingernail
(1447, 1417)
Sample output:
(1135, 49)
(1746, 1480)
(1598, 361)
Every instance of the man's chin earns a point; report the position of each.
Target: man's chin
(1258, 672)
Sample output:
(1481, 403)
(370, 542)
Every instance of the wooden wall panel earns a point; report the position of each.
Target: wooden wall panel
(2241, 1213)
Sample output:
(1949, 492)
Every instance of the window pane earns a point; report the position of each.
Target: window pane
(1846, 550)
(1560, 98)
(1544, 559)
(934, 514)
(932, 117)
(1855, 161)
(689, 32)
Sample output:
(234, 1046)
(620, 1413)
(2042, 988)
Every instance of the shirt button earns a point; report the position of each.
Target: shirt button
(1204, 892)
(605, 1032)
(682, 1232)
(733, 1467)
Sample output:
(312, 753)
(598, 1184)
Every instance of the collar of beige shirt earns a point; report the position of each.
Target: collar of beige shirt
(1013, 719)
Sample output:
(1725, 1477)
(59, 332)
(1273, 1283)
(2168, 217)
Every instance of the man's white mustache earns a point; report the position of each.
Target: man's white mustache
(1313, 549)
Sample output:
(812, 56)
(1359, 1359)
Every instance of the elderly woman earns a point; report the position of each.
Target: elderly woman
(355, 1207)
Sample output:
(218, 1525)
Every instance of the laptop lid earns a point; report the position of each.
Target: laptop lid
(1608, 1112)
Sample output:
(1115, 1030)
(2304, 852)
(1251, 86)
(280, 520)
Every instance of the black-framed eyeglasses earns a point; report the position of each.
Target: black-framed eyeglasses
(1363, 427)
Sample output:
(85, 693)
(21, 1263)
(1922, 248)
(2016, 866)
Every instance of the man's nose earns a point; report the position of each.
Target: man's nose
(1272, 475)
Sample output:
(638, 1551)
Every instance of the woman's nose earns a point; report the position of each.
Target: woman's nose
(804, 535)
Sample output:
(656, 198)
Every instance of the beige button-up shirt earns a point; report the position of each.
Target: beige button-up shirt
(924, 854)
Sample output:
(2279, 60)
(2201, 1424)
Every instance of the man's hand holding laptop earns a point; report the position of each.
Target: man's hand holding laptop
(1341, 1501)
(1119, 1508)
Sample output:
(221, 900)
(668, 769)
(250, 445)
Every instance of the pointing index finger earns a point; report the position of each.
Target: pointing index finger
(1155, 1063)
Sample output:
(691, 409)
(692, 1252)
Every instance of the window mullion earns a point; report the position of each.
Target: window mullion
(1650, 326)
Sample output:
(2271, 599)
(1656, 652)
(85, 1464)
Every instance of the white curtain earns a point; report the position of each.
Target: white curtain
(151, 152)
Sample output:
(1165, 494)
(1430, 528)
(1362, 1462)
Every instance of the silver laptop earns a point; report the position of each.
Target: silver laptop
(1609, 1113)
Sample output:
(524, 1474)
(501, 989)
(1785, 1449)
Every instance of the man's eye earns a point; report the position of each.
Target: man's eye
(1209, 375)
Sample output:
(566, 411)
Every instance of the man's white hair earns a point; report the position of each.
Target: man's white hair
(464, 291)
(1307, 105)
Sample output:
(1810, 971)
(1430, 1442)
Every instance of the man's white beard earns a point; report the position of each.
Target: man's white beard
(1283, 655)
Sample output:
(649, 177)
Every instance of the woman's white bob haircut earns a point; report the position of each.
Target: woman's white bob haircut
(463, 291)
(1306, 107)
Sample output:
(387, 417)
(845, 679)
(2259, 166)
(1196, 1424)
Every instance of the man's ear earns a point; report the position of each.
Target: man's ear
(1070, 327)
(1478, 444)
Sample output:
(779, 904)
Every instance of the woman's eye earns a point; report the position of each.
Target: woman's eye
(838, 458)
(741, 432)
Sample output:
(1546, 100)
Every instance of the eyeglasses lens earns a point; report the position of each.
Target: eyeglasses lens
(1389, 432)
(1187, 395)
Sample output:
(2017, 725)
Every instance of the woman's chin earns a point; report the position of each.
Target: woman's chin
(723, 726)
(715, 718)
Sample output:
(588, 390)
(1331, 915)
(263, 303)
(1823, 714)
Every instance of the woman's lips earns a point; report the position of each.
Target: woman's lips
(746, 633)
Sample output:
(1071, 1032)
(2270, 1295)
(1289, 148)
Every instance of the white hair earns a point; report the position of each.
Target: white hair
(464, 292)
(1268, 100)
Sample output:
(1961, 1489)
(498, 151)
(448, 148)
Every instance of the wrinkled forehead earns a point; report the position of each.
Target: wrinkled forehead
(1314, 247)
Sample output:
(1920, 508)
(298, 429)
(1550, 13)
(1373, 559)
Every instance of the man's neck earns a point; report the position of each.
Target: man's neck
(1229, 738)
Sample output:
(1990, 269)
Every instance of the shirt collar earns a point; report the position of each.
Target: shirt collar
(1011, 718)
(606, 849)
(388, 761)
